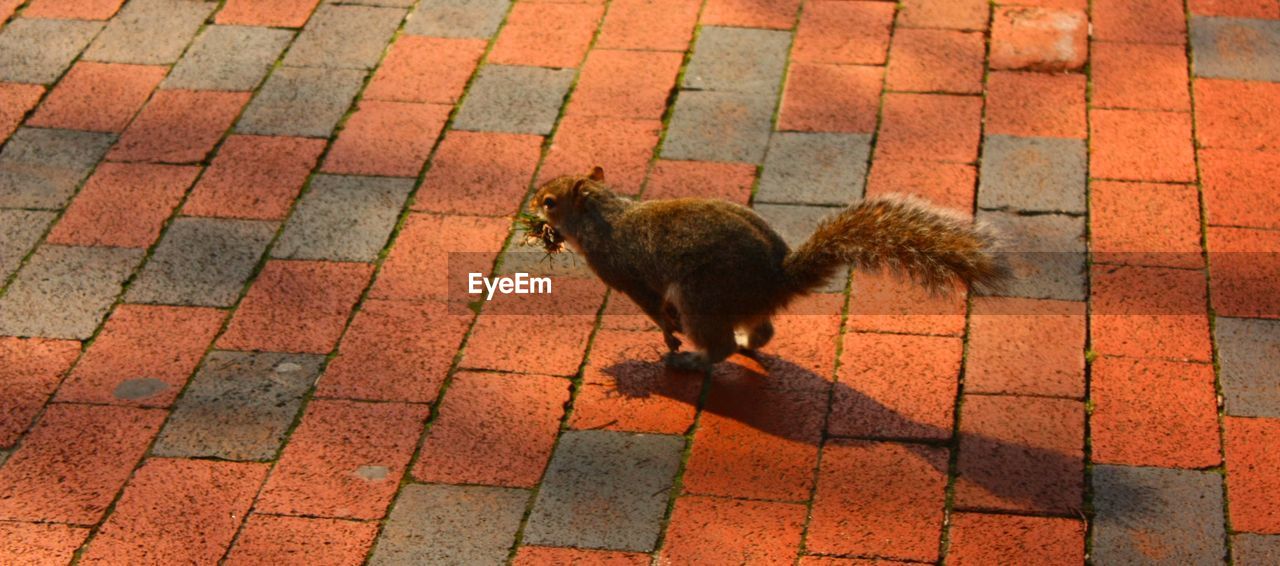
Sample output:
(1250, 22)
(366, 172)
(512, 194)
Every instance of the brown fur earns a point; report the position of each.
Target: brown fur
(705, 268)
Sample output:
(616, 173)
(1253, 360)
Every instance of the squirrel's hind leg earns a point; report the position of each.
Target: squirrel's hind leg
(756, 336)
(713, 338)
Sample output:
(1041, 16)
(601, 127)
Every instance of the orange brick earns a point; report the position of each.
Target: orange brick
(425, 69)
(73, 9)
(1154, 413)
(515, 418)
(177, 511)
(1244, 266)
(1141, 76)
(1039, 39)
(772, 14)
(724, 181)
(395, 351)
(1241, 188)
(143, 355)
(1141, 146)
(123, 205)
(840, 32)
(570, 310)
(879, 499)
(1023, 454)
(32, 370)
(623, 147)
(550, 556)
(98, 97)
(1140, 21)
(1237, 114)
(296, 306)
(1145, 224)
(662, 25)
(626, 387)
(277, 13)
(418, 265)
(483, 173)
(758, 435)
(996, 539)
(15, 101)
(268, 539)
(927, 60)
(391, 139)
(546, 35)
(1036, 104)
(874, 400)
(1253, 474)
(884, 302)
(40, 543)
(949, 185)
(179, 126)
(254, 177)
(104, 442)
(625, 84)
(345, 460)
(705, 530)
(1026, 347)
(1149, 312)
(954, 14)
(930, 126)
(831, 98)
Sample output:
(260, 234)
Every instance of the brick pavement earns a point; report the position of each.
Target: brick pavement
(226, 335)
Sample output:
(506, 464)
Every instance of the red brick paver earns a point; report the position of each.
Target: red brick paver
(177, 511)
(296, 306)
(135, 362)
(883, 424)
(98, 97)
(124, 205)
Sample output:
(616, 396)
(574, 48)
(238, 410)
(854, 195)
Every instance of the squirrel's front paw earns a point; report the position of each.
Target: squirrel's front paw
(686, 361)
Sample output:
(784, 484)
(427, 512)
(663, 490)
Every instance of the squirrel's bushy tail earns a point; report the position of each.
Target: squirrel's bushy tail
(903, 235)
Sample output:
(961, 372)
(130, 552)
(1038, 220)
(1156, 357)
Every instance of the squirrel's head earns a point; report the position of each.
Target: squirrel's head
(562, 197)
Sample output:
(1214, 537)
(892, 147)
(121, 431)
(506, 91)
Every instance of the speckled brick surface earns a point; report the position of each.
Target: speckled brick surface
(235, 239)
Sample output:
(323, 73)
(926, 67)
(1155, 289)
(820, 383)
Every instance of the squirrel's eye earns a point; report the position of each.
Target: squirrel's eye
(549, 202)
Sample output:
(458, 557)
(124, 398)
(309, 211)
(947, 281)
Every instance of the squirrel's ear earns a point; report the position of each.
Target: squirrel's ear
(579, 188)
(597, 174)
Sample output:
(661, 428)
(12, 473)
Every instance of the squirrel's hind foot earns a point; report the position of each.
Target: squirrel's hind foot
(687, 361)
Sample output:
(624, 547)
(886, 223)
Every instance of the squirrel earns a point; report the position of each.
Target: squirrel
(716, 273)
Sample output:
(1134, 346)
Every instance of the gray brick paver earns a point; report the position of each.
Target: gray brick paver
(42, 168)
(738, 60)
(64, 291)
(719, 126)
(39, 51)
(1246, 549)
(344, 37)
(451, 524)
(457, 18)
(1046, 253)
(150, 32)
(300, 101)
(238, 406)
(1248, 350)
(202, 262)
(821, 169)
(1034, 174)
(343, 218)
(1236, 48)
(20, 230)
(232, 58)
(605, 489)
(514, 99)
(1157, 516)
